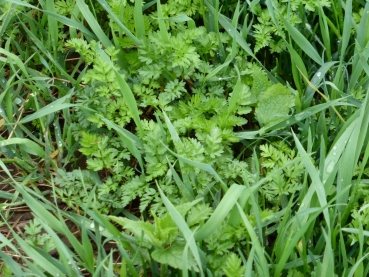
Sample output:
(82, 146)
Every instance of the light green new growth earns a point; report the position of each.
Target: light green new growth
(274, 105)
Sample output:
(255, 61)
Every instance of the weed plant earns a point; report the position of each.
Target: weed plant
(184, 137)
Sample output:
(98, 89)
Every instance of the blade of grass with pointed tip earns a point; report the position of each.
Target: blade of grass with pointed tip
(292, 119)
(202, 166)
(353, 148)
(103, 221)
(221, 211)
(328, 258)
(53, 27)
(11, 264)
(314, 175)
(359, 44)
(42, 48)
(27, 145)
(16, 60)
(60, 18)
(184, 188)
(293, 241)
(172, 130)
(324, 29)
(65, 254)
(346, 36)
(255, 242)
(130, 141)
(53, 107)
(215, 71)
(114, 17)
(162, 27)
(7, 19)
(177, 18)
(183, 227)
(95, 26)
(237, 90)
(302, 41)
(42, 261)
(227, 25)
(139, 19)
(315, 81)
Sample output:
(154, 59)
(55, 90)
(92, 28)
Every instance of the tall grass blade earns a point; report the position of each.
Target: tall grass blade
(139, 19)
(221, 211)
(182, 226)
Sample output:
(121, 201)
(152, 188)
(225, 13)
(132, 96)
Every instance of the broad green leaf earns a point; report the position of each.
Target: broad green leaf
(260, 83)
(141, 230)
(172, 256)
(274, 105)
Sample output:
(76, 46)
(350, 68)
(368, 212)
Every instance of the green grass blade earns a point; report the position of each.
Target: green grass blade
(182, 226)
(202, 166)
(59, 17)
(328, 259)
(51, 108)
(14, 58)
(232, 31)
(6, 21)
(116, 19)
(47, 263)
(139, 19)
(294, 239)
(95, 26)
(316, 182)
(53, 27)
(256, 243)
(131, 141)
(25, 144)
(302, 41)
(324, 29)
(237, 90)
(215, 71)
(126, 92)
(221, 211)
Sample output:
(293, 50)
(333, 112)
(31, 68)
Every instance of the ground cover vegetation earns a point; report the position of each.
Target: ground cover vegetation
(184, 138)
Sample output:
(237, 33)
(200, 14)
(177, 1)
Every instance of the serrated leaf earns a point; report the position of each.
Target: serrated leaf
(141, 230)
(166, 229)
(233, 267)
(95, 164)
(172, 256)
(198, 214)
